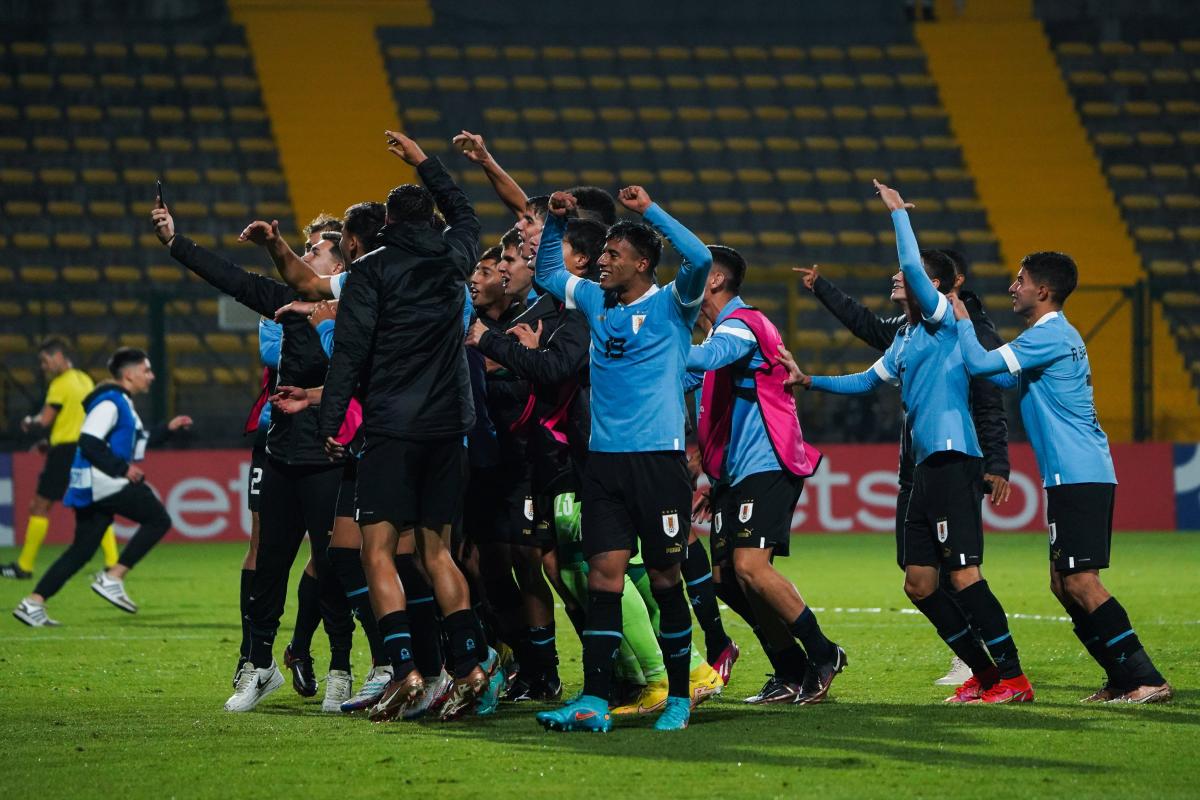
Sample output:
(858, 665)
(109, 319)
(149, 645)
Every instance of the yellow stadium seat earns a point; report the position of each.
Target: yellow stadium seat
(776, 239)
(677, 176)
(23, 208)
(115, 241)
(133, 144)
(695, 114)
(916, 80)
(794, 175)
(581, 115)
(980, 236)
(117, 81)
(164, 274)
(715, 176)
(1140, 202)
(88, 308)
(118, 274)
(216, 144)
(750, 53)
(50, 308)
(31, 241)
(199, 83)
(247, 114)
(754, 175)
(1129, 172)
(844, 206)
(224, 342)
(110, 50)
(726, 207)
(69, 49)
(665, 144)
(92, 144)
(175, 144)
(1183, 107)
(106, 208)
(730, 83)
(1142, 108)
(14, 343)
(99, 176)
(39, 274)
(64, 208)
(549, 145)
(568, 83)
(1167, 268)
(404, 52)
(636, 176)
(530, 83)
(270, 209)
(265, 177)
(239, 83)
(190, 50)
(207, 113)
(645, 83)
(1113, 139)
(1169, 75)
(687, 208)
(43, 113)
(597, 177)
(1100, 109)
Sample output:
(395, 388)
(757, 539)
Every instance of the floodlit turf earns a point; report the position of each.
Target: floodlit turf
(126, 706)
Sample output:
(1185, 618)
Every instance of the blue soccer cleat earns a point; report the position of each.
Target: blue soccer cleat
(675, 716)
(497, 679)
(588, 713)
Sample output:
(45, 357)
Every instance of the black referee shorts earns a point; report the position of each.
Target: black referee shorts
(56, 472)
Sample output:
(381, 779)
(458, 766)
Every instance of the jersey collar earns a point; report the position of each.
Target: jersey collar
(1046, 318)
(733, 305)
(653, 290)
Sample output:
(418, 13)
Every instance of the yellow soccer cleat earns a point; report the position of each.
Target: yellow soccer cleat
(652, 698)
(704, 682)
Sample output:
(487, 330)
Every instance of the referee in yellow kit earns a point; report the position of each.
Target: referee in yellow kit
(61, 415)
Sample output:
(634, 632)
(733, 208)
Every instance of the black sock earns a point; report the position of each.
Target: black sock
(397, 643)
(808, 631)
(675, 638)
(951, 624)
(543, 650)
(347, 565)
(487, 621)
(986, 616)
(731, 594)
(601, 640)
(244, 607)
(308, 615)
(1091, 642)
(697, 574)
(578, 617)
(422, 617)
(462, 627)
(1112, 624)
(789, 664)
(481, 641)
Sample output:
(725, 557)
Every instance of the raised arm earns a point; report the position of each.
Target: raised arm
(291, 267)
(549, 267)
(507, 189)
(463, 228)
(697, 260)
(357, 317)
(874, 330)
(933, 303)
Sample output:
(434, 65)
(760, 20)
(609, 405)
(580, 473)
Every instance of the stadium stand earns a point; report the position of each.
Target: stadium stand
(90, 122)
(1136, 92)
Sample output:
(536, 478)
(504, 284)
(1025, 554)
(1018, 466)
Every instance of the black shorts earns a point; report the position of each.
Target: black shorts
(408, 482)
(56, 472)
(345, 498)
(756, 512)
(258, 460)
(637, 497)
(1080, 518)
(943, 525)
(499, 506)
(542, 535)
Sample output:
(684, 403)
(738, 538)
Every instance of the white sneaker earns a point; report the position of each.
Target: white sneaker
(33, 614)
(252, 686)
(339, 685)
(436, 692)
(959, 674)
(372, 689)
(113, 590)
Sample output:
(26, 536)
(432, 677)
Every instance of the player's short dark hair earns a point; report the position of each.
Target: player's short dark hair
(125, 357)
(586, 236)
(410, 203)
(53, 345)
(961, 265)
(731, 263)
(539, 204)
(336, 238)
(511, 238)
(592, 202)
(492, 253)
(364, 220)
(1056, 270)
(940, 267)
(323, 222)
(640, 237)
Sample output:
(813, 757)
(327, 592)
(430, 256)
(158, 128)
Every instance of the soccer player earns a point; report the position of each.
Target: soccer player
(399, 342)
(635, 486)
(300, 484)
(943, 528)
(105, 481)
(61, 415)
(755, 455)
(1048, 364)
(987, 401)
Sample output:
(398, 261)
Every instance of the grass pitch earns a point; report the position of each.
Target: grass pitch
(119, 706)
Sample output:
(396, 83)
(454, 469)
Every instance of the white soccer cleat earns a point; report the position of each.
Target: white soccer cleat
(436, 692)
(252, 686)
(959, 674)
(113, 590)
(339, 685)
(33, 614)
(371, 690)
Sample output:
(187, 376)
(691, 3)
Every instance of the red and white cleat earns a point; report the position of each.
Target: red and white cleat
(725, 661)
(972, 690)
(1009, 690)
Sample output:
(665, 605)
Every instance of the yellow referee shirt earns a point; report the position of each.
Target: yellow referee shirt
(66, 393)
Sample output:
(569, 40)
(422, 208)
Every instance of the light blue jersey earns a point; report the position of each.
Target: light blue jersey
(924, 361)
(1048, 363)
(750, 451)
(639, 351)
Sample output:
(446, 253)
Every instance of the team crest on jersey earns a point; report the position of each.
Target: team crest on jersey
(637, 320)
(1053, 533)
(943, 530)
(529, 508)
(745, 511)
(671, 524)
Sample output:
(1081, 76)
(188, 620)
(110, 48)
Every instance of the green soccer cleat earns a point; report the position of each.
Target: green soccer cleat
(588, 713)
(675, 716)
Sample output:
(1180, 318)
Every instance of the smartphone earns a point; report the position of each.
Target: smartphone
(162, 200)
